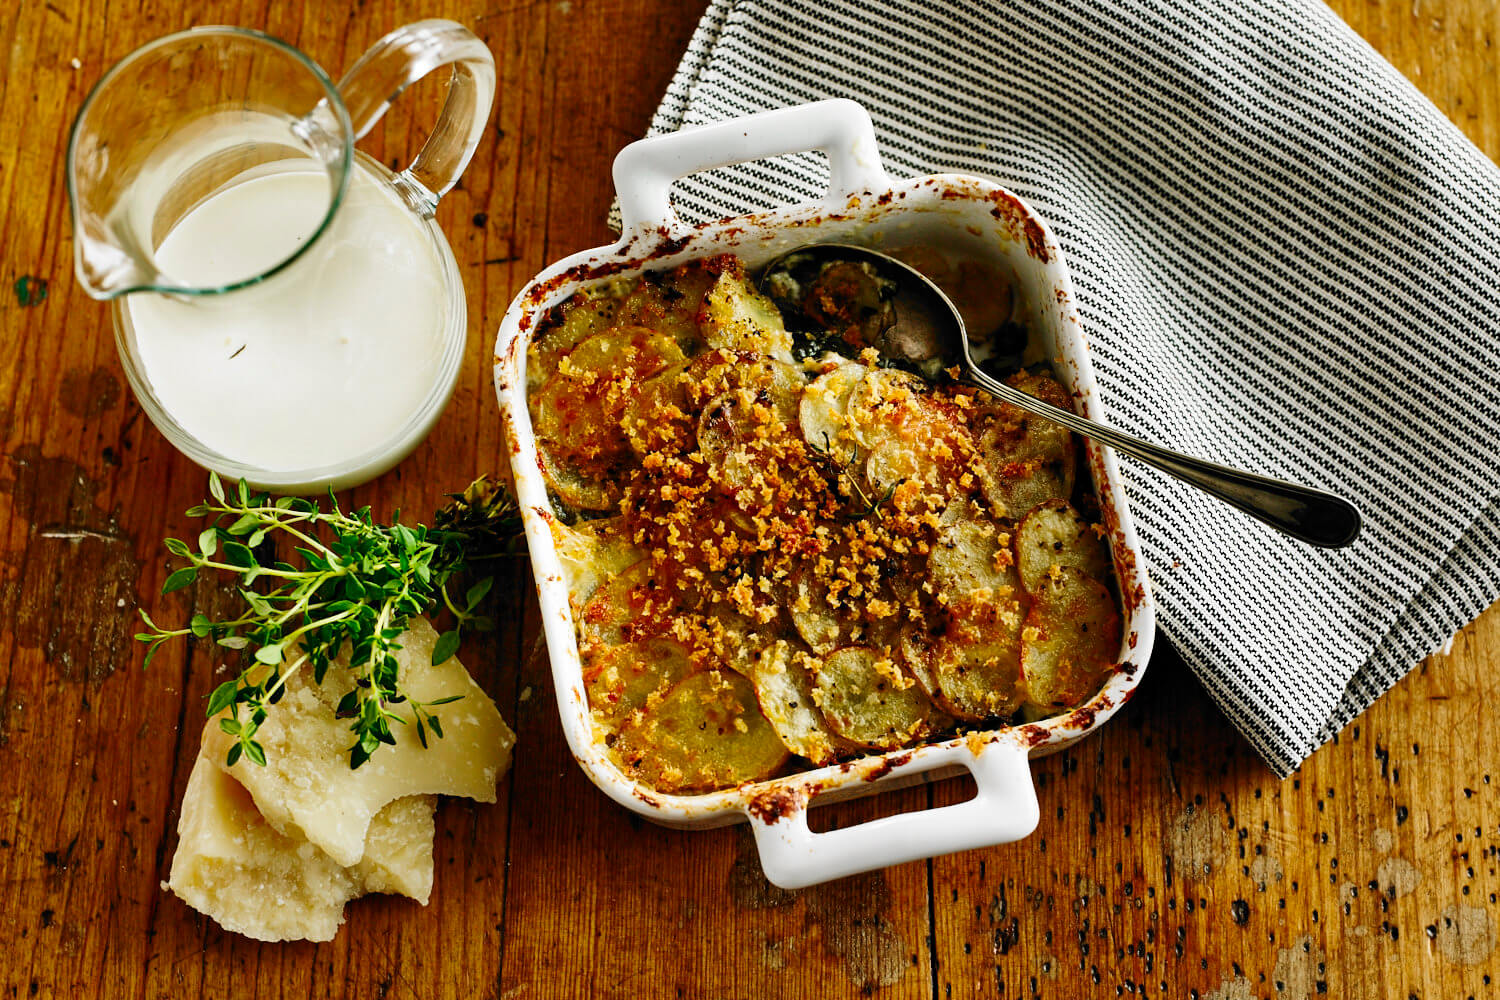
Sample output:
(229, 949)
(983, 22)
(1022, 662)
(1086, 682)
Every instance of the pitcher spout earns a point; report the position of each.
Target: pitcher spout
(106, 269)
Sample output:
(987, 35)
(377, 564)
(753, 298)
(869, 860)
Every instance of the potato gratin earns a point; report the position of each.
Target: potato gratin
(781, 553)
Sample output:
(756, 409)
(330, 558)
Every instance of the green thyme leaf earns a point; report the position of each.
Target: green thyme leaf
(179, 579)
(222, 697)
(445, 647)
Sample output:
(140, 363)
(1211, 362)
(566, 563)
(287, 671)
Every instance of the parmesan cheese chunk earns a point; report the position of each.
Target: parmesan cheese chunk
(306, 789)
(234, 867)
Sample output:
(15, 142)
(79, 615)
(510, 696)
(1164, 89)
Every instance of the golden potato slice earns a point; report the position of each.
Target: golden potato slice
(584, 315)
(669, 304)
(662, 415)
(823, 413)
(880, 403)
(972, 559)
(636, 349)
(821, 625)
(742, 432)
(908, 435)
(979, 669)
(825, 624)
(867, 698)
(1054, 534)
(621, 680)
(1016, 488)
(577, 413)
(626, 607)
(707, 733)
(1026, 459)
(591, 552)
(783, 679)
(725, 439)
(575, 489)
(971, 665)
(657, 417)
(735, 436)
(737, 317)
(735, 638)
(1070, 641)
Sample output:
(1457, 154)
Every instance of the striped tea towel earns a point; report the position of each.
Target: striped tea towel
(1285, 260)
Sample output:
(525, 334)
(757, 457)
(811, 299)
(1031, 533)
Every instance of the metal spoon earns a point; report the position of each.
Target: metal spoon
(929, 332)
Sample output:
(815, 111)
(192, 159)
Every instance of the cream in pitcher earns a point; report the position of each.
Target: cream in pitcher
(327, 361)
(286, 308)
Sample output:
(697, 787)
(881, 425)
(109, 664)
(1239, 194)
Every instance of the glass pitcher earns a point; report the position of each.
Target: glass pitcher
(286, 308)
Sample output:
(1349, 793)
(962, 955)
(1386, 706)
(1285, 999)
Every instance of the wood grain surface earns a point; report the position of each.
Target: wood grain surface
(1168, 862)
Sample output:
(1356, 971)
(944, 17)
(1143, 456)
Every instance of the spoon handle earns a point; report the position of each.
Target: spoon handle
(1314, 516)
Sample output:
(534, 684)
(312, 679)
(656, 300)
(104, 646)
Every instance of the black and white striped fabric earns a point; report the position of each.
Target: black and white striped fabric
(1285, 260)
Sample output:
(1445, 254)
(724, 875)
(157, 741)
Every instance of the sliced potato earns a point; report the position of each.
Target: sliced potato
(979, 671)
(657, 417)
(1070, 641)
(737, 317)
(626, 607)
(592, 551)
(894, 462)
(909, 435)
(821, 625)
(728, 444)
(783, 681)
(708, 732)
(637, 349)
(621, 680)
(1054, 534)
(576, 489)
(577, 413)
(669, 304)
(825, 625)
(738, 638)
(1015, 489)
(970, 666)
(1026, 459)
(972, 558)
(736, 435)
(879, 404)
(823, 412)
(584, 315)
(869, 699)
(741, 431)
(919, 651)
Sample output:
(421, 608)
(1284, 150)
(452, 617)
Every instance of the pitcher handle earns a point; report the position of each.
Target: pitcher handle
(402, 58)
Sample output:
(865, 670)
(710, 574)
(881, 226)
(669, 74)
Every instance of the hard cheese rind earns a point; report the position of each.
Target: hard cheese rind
(234, 867)
(307, 790)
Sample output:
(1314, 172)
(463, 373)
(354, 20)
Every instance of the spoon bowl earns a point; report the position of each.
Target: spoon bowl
(912, 322)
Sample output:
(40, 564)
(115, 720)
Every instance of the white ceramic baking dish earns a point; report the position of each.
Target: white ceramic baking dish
(958, 214)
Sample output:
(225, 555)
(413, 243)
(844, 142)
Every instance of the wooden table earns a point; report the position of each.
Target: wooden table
(1169, 862)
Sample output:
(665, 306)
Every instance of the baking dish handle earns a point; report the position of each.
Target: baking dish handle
(1003, 810)
(644, 170)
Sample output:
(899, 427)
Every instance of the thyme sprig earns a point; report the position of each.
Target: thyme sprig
(858, 504)
(355, 586)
